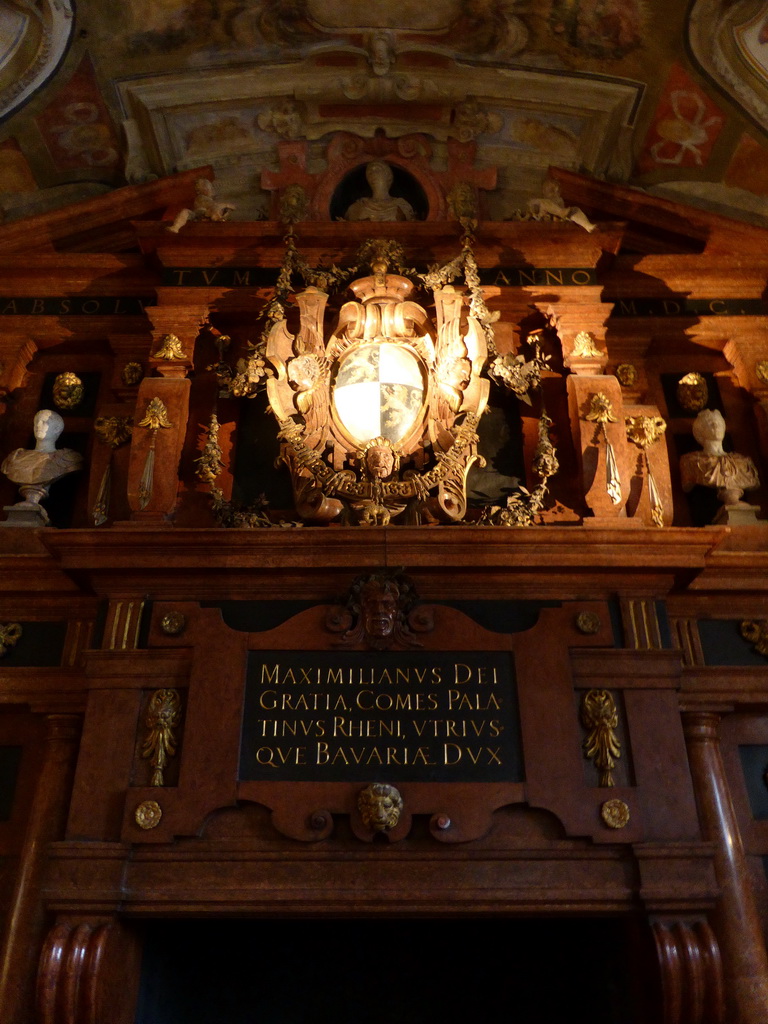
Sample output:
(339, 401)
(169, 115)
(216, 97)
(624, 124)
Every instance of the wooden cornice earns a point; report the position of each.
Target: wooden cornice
(103, 222)
(653, 224)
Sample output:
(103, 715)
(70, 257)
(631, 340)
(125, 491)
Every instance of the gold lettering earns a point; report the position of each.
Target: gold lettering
(422, 756)
(242, 277)
(581, 277)
(451, 753)
(268, 700)
(38, 307)
(65, 305)
(527, 276)
(437, 675)
(466, 674)
(270, 677)
(553, 276)
(90, 307)
(10, 307)
(180, 276)
(721, 307)
(209, 279)
(671, 308)
(334, 675)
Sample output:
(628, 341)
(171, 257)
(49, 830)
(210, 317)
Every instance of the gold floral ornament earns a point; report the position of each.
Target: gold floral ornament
(113, 431)
(761, 370)
(601, 718)
(584, 346)
(692, 392)
(601, 411)
(756, 632)
(170, 348)
(615, 814)
(148, 814)
(155, 418)
(68, 391)
(10, 634)
(162, 719)
(645, 431)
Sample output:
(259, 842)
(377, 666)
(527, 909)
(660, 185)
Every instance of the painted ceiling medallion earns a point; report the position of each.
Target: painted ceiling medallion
(33, 40)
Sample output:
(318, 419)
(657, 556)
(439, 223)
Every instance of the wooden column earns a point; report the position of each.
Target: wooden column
(737, 923)
(26, 919)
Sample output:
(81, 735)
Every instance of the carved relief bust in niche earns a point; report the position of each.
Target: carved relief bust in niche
(379, 192)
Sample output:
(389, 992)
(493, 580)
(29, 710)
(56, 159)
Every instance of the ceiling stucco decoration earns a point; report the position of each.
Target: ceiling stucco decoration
(730, 43)
(584, 85)
(234, 119)
(34, 36)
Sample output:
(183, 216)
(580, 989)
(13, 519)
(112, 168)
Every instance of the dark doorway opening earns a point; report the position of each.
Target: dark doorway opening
(403, 971)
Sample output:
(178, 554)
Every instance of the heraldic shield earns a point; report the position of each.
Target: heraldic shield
(378, 412)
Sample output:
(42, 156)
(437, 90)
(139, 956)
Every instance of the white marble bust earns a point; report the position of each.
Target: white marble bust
(35, 469)
(380, 206)
(732, 474)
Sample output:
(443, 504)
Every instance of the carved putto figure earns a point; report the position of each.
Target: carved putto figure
(732, 474)
(35, 470)
(551, 204)
(380, 205)
(205, 207)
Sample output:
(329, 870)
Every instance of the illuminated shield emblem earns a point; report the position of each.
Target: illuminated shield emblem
(379, 392)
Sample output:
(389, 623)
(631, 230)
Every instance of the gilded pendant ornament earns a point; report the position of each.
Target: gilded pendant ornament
(162, 719)
(645, 431)
(756, 633)
(600, 717)
(155, 418)
(600, 411)
(10, 634)
(113, 431)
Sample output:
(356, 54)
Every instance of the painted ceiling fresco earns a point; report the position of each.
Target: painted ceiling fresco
(671, 98)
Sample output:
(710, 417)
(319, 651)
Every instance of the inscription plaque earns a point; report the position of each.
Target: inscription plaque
(381, 716)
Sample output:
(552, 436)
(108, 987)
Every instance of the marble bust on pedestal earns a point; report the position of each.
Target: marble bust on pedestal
(35, 470)
(380, 206)
(730, 473)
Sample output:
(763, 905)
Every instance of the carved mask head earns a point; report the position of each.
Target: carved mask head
(380, 806)
(379, 608)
